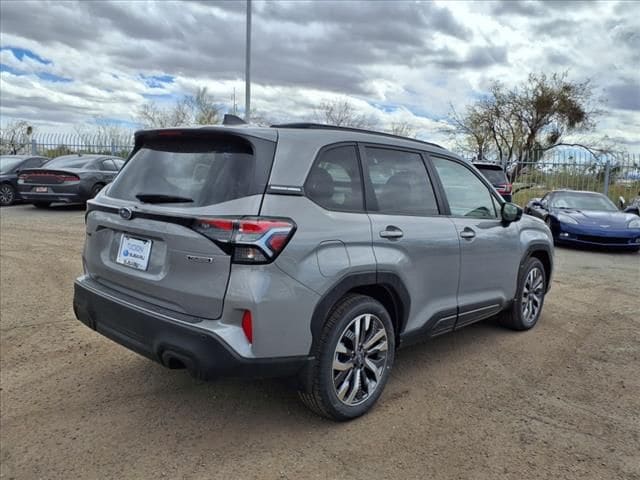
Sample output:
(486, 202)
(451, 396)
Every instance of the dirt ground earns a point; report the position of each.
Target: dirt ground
(561, 401)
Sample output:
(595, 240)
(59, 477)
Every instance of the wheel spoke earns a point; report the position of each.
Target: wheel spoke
(342, 390)
(355, 387)
(341, 348)
(373, 368)
(381, 347)
(374, 339)
(356, 338)
(341, 366)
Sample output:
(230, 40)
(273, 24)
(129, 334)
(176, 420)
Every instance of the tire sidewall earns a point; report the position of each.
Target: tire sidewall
(325, 364)
(531, 263)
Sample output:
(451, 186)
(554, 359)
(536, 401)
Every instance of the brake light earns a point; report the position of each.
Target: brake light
(68, 178)
(504, 188)
(248, 239)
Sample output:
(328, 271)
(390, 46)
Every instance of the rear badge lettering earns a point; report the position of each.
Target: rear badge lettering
(197, 259)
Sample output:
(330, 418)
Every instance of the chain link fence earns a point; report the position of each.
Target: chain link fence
(614, 175)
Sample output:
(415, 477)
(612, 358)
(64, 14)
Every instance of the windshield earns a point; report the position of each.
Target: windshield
(582, 201)
(69, 162)
(9, 163)
(495, 176)
(192, 171)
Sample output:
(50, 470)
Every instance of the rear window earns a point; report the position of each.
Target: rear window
(494, 175)
(207, 170)
(66, 162)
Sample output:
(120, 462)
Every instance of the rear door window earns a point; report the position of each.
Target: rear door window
(207, 169)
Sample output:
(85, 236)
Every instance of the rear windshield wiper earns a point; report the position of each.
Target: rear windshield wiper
(162, 198)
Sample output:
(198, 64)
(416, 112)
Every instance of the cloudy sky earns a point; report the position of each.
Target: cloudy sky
(64, 64)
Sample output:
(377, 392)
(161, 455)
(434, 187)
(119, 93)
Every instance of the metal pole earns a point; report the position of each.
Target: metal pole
(247, 68)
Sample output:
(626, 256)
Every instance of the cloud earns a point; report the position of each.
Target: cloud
(77, 61)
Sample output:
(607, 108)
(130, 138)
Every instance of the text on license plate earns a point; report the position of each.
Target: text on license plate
(134, 252)
(42, 189)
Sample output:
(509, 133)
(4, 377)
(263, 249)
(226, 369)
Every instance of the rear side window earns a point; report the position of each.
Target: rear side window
(494, 175)
(334, 181)
(207, 170)
(400, 182)
(108, 165)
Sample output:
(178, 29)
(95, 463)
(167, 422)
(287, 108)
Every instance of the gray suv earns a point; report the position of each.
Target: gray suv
(302, 250)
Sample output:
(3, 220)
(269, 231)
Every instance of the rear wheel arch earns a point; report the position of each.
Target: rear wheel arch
(385, 287)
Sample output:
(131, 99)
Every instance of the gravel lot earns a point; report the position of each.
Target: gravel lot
(561, 401)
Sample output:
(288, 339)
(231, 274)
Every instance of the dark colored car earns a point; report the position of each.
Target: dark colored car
(497, 177)
(68, 179)
(632, 207)
(586, 218)
(10, 167)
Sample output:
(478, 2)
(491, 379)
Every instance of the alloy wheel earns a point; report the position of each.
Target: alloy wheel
(6, 195)
(532, 295)
(360, 359)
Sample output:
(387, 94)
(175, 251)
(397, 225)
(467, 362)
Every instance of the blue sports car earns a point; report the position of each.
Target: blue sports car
(586, 218)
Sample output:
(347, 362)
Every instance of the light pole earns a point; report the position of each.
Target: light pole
(247, 67)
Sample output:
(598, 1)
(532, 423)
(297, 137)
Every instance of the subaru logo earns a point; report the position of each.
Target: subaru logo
(126, 213)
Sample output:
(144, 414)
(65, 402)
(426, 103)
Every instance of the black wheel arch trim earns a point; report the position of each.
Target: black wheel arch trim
(539, 247)
(390, 281)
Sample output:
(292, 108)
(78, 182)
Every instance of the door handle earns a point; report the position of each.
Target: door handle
(392, 232)
(467, 233)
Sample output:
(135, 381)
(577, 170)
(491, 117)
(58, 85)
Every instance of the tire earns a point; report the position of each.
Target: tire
(41, 204)
(339, 394)
(7, 195)
(96, 189)
(526, 307)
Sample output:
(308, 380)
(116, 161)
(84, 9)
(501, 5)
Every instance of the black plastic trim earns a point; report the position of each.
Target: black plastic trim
(387, 280)
(203, 353)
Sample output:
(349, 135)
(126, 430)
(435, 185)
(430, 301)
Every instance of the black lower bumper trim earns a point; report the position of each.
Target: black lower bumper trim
(173, 344)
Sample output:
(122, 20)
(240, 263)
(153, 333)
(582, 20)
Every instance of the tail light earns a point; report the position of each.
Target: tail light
(249, 239)
(504, 188)
(68, 178)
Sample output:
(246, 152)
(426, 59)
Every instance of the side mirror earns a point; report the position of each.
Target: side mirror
(621, 202)
(511, 212)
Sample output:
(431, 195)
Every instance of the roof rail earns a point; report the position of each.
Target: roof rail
(322, 126)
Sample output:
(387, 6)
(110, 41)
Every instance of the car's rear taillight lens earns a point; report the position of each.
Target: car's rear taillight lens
(248, 239)
(68, 178)
(504, 188)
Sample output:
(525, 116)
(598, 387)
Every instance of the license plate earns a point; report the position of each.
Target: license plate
(134, 252)
(42, 189)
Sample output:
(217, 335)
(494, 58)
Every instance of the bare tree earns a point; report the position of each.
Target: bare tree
(105, 137)
(402, 129)
(342, 113)
(514, 126)
(197, 109)
(15, 137)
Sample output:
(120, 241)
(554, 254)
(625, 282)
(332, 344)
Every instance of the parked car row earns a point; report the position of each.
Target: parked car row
(66, 179)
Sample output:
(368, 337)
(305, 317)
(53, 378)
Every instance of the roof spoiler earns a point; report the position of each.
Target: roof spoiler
(232, 120)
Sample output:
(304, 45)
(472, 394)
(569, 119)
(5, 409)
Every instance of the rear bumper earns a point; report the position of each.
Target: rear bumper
(53, 197)
(73, 193)
(171, 343)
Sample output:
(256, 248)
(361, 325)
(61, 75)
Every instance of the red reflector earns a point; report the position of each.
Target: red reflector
(277, 241)
(247, 325)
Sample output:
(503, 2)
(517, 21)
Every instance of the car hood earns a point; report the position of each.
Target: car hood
(598, 218)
